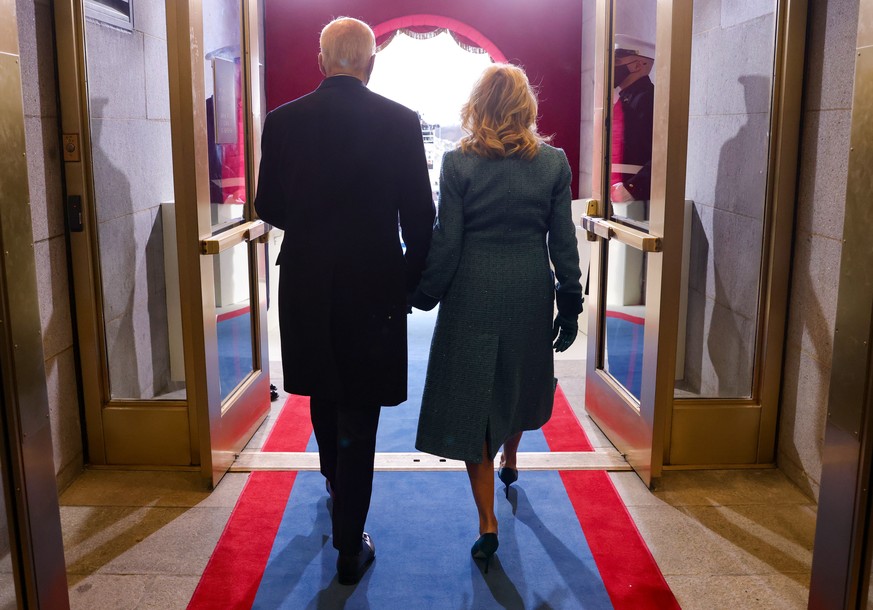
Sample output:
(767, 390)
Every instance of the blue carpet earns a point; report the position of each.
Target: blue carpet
(624, 353)
(423, 524)
(234, 351)
(398, 425)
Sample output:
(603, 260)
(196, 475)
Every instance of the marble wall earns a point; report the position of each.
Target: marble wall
(821, 193)
(726, 178)
(133, 175)
(36, 44)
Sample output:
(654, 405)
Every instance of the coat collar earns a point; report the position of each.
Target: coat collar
(340, 81)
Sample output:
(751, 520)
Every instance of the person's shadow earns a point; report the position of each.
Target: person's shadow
(566, 561)
(737, 245)
(130, 239)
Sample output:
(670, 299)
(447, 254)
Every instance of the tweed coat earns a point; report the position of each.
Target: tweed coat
(491, 371)
(340, 168)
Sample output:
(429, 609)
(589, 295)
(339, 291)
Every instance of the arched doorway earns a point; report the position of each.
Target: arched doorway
(431, 69)
(465, 35)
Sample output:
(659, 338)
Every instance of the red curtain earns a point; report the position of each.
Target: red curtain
(423, 32)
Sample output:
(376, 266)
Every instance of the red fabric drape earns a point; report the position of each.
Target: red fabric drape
(233, 167)
(423, 32)
(543, 37)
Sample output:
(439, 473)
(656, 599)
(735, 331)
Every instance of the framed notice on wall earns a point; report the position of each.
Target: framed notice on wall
(224, 73)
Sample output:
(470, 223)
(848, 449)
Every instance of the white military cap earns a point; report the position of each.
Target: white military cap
(628, 45)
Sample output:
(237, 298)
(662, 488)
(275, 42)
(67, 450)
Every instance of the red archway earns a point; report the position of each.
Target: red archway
(545, 38)
(459, 28)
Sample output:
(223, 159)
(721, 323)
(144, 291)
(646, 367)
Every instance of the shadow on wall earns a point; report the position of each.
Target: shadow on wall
(696, 317)
(737, 245)
(726, 247)
(132, 269)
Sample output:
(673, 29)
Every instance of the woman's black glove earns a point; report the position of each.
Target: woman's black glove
(564, 332)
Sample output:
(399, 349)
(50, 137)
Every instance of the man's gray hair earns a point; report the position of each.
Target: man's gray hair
(347, 45)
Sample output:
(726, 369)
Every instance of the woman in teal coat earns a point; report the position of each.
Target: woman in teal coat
(504, 215)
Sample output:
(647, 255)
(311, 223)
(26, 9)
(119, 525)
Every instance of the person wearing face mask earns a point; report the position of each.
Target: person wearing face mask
(632, 119)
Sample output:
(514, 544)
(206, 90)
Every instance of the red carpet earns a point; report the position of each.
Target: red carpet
(234, 570)
(630, 574)
(629, 571)
(293, 427)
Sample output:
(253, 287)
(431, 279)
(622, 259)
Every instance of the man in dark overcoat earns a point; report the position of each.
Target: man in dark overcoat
(340, 168)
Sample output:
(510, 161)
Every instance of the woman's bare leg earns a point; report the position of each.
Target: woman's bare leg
(510, 452)
(482, 483)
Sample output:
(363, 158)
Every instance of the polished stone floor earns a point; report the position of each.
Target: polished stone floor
(723, 539)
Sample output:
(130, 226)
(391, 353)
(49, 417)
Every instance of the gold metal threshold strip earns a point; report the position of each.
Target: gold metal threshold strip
(600, 459)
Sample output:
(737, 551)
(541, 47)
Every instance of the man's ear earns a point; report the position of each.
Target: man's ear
(321, 64)
(370, 65)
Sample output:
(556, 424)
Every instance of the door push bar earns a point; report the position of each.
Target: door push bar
(245, 232)
(597, 226)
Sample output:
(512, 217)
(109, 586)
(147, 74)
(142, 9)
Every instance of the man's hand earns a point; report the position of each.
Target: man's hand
(564, 332)
(619, 194)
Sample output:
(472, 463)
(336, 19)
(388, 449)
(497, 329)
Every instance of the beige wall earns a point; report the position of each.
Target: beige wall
(49, 243)
(824, 154)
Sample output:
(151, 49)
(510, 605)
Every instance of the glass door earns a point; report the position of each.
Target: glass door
(218, 105)
(635, 221)
(694, 176)
(161, 134)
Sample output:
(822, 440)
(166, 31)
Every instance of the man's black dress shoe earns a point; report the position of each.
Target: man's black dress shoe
(350, 568)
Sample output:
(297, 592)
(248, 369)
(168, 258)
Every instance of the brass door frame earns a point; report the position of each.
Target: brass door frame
(640, 432)
(843, 549)
(221, 430)
(28, 477)
(690, 433)
(700, 424)
(164, 437)
(197, 432)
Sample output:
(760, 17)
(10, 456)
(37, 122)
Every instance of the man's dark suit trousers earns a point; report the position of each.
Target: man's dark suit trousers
(346, 437)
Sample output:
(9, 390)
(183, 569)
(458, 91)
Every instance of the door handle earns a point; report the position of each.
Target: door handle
(590, 212)
(225, 240)
(599, 227)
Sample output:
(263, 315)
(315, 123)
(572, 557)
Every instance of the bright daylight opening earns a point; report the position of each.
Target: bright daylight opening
(432, 76)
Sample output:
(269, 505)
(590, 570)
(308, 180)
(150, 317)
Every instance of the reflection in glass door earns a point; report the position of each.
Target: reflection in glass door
(686, 366)
(636, 226)
(219, 107)
(629, 189)
(225, 125)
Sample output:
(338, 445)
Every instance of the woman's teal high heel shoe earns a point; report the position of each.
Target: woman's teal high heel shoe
(485, 547)
(508, 476)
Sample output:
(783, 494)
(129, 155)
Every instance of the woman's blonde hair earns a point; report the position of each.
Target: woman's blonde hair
(500, 116)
